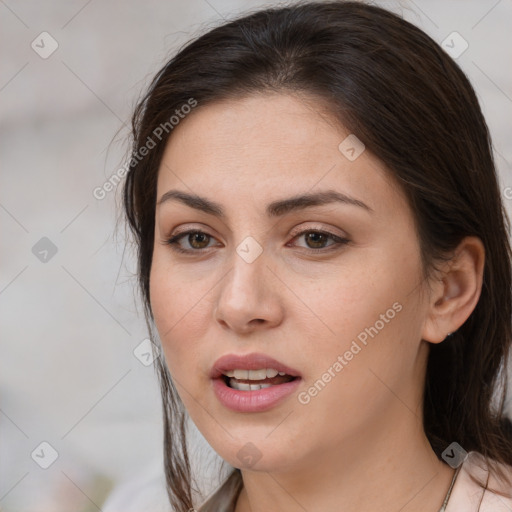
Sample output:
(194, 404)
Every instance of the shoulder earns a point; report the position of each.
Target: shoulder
(469, 495)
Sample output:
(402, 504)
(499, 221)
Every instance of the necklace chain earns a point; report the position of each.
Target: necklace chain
(445, 502)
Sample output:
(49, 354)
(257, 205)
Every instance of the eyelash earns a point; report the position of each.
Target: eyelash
(173, 241)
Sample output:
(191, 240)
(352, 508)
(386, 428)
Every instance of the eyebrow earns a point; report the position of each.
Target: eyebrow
(275, 209)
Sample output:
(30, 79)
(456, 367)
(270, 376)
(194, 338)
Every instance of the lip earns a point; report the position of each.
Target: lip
(254, 361)
(251, 401)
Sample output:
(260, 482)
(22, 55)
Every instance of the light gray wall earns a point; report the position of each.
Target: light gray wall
(68, 375)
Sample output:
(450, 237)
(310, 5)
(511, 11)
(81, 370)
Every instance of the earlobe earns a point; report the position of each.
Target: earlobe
(456, 294)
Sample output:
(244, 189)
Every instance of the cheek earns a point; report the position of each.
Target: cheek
(179, 351)
(181, 310)
(347, 301)
(168, 303)
(368, 316)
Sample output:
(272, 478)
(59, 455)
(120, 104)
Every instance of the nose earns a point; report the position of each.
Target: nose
(248, 297)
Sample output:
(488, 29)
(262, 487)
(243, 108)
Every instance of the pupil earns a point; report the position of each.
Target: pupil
(310, 235)
(200, 235)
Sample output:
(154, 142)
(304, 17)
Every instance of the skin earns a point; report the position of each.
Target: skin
(360, 441)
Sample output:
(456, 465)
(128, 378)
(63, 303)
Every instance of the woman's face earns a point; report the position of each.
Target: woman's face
(346, 317)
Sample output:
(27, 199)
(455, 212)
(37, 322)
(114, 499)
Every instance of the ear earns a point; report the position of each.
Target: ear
(456, 291)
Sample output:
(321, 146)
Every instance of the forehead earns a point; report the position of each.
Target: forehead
(281, 126)
(268, 144)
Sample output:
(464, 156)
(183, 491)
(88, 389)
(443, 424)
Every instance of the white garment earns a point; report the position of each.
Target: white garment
(468, 496)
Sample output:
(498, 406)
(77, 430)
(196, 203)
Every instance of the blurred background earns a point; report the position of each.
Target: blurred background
(80, 421)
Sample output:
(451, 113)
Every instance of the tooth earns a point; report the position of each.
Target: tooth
(257, 374)
(262, 374)
(241, 374)
(242, 386)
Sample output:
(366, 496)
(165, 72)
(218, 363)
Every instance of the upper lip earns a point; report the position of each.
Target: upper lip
(253, 361)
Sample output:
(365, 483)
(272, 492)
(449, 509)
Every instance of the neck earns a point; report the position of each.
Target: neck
(397, 470)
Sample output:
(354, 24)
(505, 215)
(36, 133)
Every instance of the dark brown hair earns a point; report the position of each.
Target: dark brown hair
(393, 86)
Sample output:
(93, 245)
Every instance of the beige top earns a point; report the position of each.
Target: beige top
(465, 494)
(468, 496)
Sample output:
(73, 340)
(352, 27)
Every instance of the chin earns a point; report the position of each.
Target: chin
(257, 456)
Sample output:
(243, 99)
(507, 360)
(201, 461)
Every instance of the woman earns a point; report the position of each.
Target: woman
(324, 253)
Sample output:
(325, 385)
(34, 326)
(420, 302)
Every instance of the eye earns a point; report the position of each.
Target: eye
(195, 238)
(317, 239)
(199, 240)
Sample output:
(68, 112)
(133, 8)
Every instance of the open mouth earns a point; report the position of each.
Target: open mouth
(255, 384)
(252, 383)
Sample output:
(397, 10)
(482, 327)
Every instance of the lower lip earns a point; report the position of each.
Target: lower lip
(253, 401)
